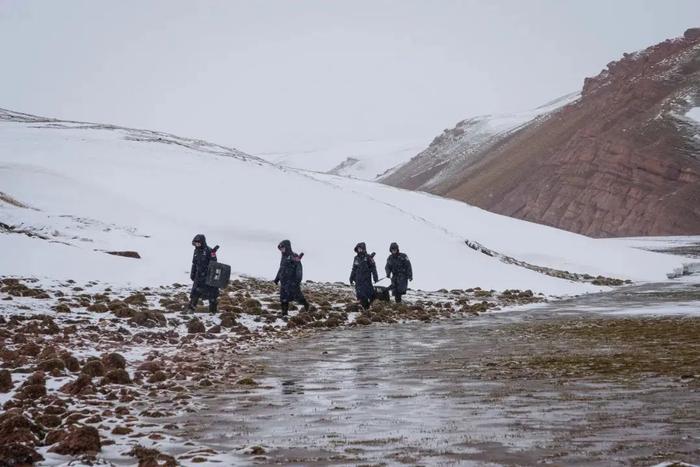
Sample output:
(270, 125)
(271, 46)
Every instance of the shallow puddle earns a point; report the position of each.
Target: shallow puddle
(561, 384)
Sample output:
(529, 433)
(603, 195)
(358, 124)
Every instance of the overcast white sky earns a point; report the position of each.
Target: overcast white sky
(286, 75)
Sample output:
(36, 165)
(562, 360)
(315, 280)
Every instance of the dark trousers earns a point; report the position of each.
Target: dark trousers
(207, 293)
(366, 302)
(299, 299)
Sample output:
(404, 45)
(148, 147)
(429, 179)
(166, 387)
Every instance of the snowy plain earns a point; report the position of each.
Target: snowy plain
(82, 189)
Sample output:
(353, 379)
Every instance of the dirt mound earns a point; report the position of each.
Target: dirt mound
(79, 440)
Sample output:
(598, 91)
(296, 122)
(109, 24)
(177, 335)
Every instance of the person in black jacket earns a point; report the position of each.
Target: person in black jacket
(398, 268)
(289, 276)
(364, 270)
(198, 274)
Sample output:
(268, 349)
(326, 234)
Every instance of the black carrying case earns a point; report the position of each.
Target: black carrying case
(218, 274)
(382, 293)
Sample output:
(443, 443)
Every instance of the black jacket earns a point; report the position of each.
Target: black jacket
(398, 268)
(364, 269)
(200, 260)
(289, 274)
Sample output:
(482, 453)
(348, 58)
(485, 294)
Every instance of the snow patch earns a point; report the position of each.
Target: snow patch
(694, 114)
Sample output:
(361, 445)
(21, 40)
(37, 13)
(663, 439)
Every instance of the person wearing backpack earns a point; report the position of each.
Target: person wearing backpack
(198, 274)
(289, 277)
(398, 269)
(363, 271)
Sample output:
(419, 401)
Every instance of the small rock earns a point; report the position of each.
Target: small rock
(16, 428)
(195, 326)
(151, 366)
(71, 363)
(247, 382)
(363, 321)
(6, 381)
(52, 364)
(137, 298)
(119, 376)
(54, 437)
(125, 254)
(152, 457)
(158, 377)
(81, 386)
(148, 319)
(79, 440)
(113, 361)
(15, 454)
(30, 349)
(62, 308)
(93, 368)
(98, 308)
(32, 392)
(94, 419)
(121, 430)
(48, 421)
(228, 320)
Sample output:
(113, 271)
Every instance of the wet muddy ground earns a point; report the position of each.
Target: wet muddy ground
(611, 379)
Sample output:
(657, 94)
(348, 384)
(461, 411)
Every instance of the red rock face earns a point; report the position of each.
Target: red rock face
(620, 161)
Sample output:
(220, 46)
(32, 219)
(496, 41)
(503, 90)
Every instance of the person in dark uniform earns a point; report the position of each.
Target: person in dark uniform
(198, 274)
(363, 271)
(289, 276)
(398, 269)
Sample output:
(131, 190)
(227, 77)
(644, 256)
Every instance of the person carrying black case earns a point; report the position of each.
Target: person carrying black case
(201, 259)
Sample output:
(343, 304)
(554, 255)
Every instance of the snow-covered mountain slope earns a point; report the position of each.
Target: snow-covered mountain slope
(621, 160)
(464, 145)
(71, 191)
(366, 160)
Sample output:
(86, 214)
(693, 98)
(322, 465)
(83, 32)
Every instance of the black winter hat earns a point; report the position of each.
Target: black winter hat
(360, 245)
(200, 238)
(394, 246)
(286, 244)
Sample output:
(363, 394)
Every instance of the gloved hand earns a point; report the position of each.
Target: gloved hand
(410, 279)
(192, 277)
(352, 282)
(276, 281)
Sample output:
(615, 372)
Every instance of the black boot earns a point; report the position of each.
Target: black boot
(305, 304)
(285, 308)
(213, 304)
(398, 298)
(194, 299)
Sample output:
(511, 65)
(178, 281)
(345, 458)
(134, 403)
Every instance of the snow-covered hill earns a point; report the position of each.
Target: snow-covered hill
(366, 160)
(71, 191)
(464, 145)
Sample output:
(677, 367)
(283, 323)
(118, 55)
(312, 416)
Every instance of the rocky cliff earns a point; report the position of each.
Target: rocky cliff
(621, 160)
